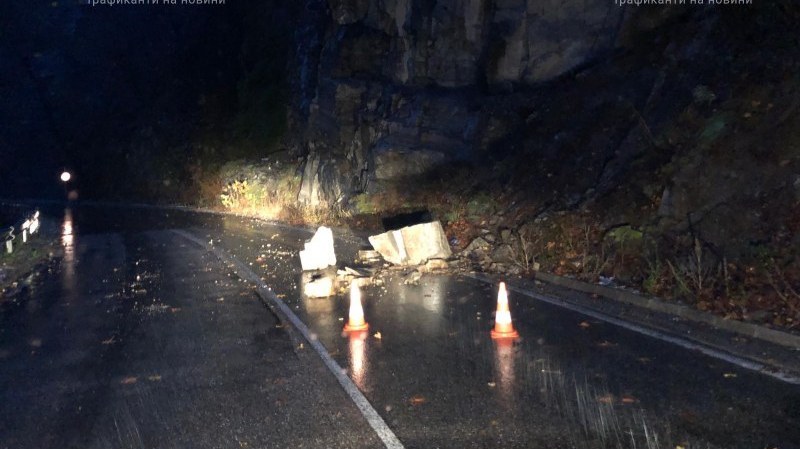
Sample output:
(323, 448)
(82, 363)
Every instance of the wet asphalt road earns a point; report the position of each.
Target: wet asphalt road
(143, 339)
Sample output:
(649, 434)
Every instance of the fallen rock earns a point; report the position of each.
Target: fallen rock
(348, 274)
(369, 256)
(412, 278)
(479, 246)
(412, 245)
(434, 265)
(504, 254)
(318, 285)
(318, 253)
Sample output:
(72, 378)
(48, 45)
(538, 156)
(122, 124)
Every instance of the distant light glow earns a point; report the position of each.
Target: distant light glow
(66, 176)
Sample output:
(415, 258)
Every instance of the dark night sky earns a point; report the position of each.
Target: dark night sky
(87, 87)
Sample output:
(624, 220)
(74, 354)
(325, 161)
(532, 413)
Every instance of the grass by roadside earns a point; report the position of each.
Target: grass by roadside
(20, 268)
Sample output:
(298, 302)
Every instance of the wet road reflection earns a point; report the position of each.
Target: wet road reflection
(68, 243)
(569, 381)
(141, 339)
(504, 369)
(357, 348)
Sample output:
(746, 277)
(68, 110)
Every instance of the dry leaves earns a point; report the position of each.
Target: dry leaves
(610, 399)
(417, 400)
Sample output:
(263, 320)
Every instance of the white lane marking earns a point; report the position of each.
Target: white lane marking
(377, 423)
(679, 341)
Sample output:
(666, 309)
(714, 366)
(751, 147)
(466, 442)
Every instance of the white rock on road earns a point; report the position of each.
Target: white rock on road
(318, 253)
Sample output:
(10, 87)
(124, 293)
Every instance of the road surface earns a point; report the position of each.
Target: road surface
(143, 337)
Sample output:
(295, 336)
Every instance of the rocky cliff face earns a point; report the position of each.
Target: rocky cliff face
(675, 118)
(400, 86)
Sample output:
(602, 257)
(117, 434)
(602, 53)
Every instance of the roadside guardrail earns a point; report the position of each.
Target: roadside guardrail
(19, 233)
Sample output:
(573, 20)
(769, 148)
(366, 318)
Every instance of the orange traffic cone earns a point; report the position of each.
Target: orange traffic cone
(356, 319)
(502, 320)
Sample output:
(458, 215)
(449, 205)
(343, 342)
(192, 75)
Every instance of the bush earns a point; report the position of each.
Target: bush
(264, 189)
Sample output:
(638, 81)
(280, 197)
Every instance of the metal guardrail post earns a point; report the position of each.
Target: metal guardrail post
(10, 240)
(34, 223)
(25, 226)
(29, 227)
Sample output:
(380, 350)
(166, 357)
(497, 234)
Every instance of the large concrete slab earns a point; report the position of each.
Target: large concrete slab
(413, 245)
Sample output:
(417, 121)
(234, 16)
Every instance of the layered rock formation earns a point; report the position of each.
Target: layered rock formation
(399, 86)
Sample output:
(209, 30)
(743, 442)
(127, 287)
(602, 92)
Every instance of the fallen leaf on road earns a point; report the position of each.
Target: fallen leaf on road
(606, 344)
(154, 378)
(585, 325)
(110, 341)
(417, 400)
(729, 375)
(606, 399)
(129, 380)
(491, 384)
(378, 335)
(629, 400)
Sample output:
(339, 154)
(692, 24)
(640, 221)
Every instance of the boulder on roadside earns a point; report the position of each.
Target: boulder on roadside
(478, 247)
(412, 245)
(318, 253)
(504, 254)
(434, 265)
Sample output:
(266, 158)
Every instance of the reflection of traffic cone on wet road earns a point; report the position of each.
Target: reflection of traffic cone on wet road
(356, 317)
(358, 355)
(502, 320)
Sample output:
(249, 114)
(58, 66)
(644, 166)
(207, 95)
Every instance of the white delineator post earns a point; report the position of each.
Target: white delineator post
(35, 223)
(25, 226)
